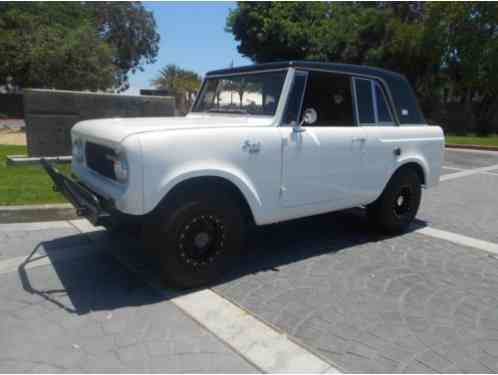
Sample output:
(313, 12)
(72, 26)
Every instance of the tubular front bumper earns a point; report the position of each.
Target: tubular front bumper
(86, 203)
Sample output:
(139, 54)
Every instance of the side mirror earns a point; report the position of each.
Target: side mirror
(309, 118)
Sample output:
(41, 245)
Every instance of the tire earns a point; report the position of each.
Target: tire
(199, 236)
(395, 209)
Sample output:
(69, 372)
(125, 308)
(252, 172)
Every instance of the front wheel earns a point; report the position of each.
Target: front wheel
(199, 238)
(395, 209)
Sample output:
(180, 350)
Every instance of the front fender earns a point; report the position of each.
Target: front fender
(227, 172)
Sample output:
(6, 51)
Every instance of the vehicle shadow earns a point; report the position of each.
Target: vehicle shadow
(115, 271)
(80, 280)
(272, 246)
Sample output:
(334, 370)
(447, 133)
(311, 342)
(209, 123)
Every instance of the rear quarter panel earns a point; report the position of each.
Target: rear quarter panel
(421, 144)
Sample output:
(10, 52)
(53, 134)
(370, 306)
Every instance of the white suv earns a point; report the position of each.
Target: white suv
(262, 144)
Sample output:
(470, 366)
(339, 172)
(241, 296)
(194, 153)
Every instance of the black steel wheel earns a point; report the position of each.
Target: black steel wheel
(199, 238)
(395, 209)
(202, 240)
(403, 202)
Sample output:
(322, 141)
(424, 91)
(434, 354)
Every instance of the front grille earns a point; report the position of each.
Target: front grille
(98, 158)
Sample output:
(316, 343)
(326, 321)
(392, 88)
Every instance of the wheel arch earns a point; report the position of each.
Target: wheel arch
(238, 185)
(414, 163)
(417, 164)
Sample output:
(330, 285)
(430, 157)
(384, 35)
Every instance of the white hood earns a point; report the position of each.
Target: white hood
(115, 130)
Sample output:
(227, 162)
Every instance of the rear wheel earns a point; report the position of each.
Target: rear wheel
(396, 208)
(199, 236)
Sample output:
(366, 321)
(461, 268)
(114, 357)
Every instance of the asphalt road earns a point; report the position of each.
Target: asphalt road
(326, 290)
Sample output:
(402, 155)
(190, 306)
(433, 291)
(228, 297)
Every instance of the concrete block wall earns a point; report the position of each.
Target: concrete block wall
(50, 115)
(11, 105)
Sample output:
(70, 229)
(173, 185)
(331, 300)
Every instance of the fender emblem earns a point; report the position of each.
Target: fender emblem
(252, 148)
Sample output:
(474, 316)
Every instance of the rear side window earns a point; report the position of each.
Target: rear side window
(364, 99)
(371, 102)
(383, 112)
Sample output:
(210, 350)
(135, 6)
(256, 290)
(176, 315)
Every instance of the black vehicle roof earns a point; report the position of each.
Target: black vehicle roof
(346, 68)
(402, 95)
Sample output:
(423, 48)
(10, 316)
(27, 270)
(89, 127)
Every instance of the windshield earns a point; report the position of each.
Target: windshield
(254, 94)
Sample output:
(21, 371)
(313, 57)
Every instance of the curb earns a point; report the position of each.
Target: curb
(35, 213)
(473, 147)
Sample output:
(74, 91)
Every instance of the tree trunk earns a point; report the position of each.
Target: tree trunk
(469, 111)
(241, 95)
(486, 114)
(181, 105)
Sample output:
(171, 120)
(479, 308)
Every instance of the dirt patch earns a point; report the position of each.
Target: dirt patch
(12, 137)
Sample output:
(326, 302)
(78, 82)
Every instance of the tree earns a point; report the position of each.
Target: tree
(470, 59)
(392, 35)
(240, 86)
(430, 43)
(52, 45)
(78, 46)
(180, 82)
(131, 31)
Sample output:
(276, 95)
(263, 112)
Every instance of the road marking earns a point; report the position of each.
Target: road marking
(459, 239)
(467, 172)
(455, 169)
(271, 351)
(34, 260)
(471, 151)
(42, 225)
(493, 172)
(260, 344)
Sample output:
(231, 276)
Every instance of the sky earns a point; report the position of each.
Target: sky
(193, 37)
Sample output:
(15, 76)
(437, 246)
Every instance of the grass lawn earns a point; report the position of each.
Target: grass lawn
(491, 140)
(25, 184)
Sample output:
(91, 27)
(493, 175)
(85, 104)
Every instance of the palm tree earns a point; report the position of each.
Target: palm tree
(241, 86)
(181, 83)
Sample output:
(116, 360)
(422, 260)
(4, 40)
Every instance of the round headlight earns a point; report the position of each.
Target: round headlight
(78, 153)
(121, 169)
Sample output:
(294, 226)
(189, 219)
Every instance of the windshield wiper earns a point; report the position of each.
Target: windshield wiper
(227, 110)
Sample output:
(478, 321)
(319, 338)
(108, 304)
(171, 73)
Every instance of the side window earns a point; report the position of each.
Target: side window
(372, 104)
(383, 112)
(364, 100)
(293, 107)
(330, 96)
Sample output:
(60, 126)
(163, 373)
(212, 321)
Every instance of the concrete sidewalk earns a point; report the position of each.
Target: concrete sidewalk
(83, 311)
(92, 303)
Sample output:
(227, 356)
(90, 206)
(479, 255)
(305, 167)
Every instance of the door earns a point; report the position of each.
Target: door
(375, 117)
(321, 163)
